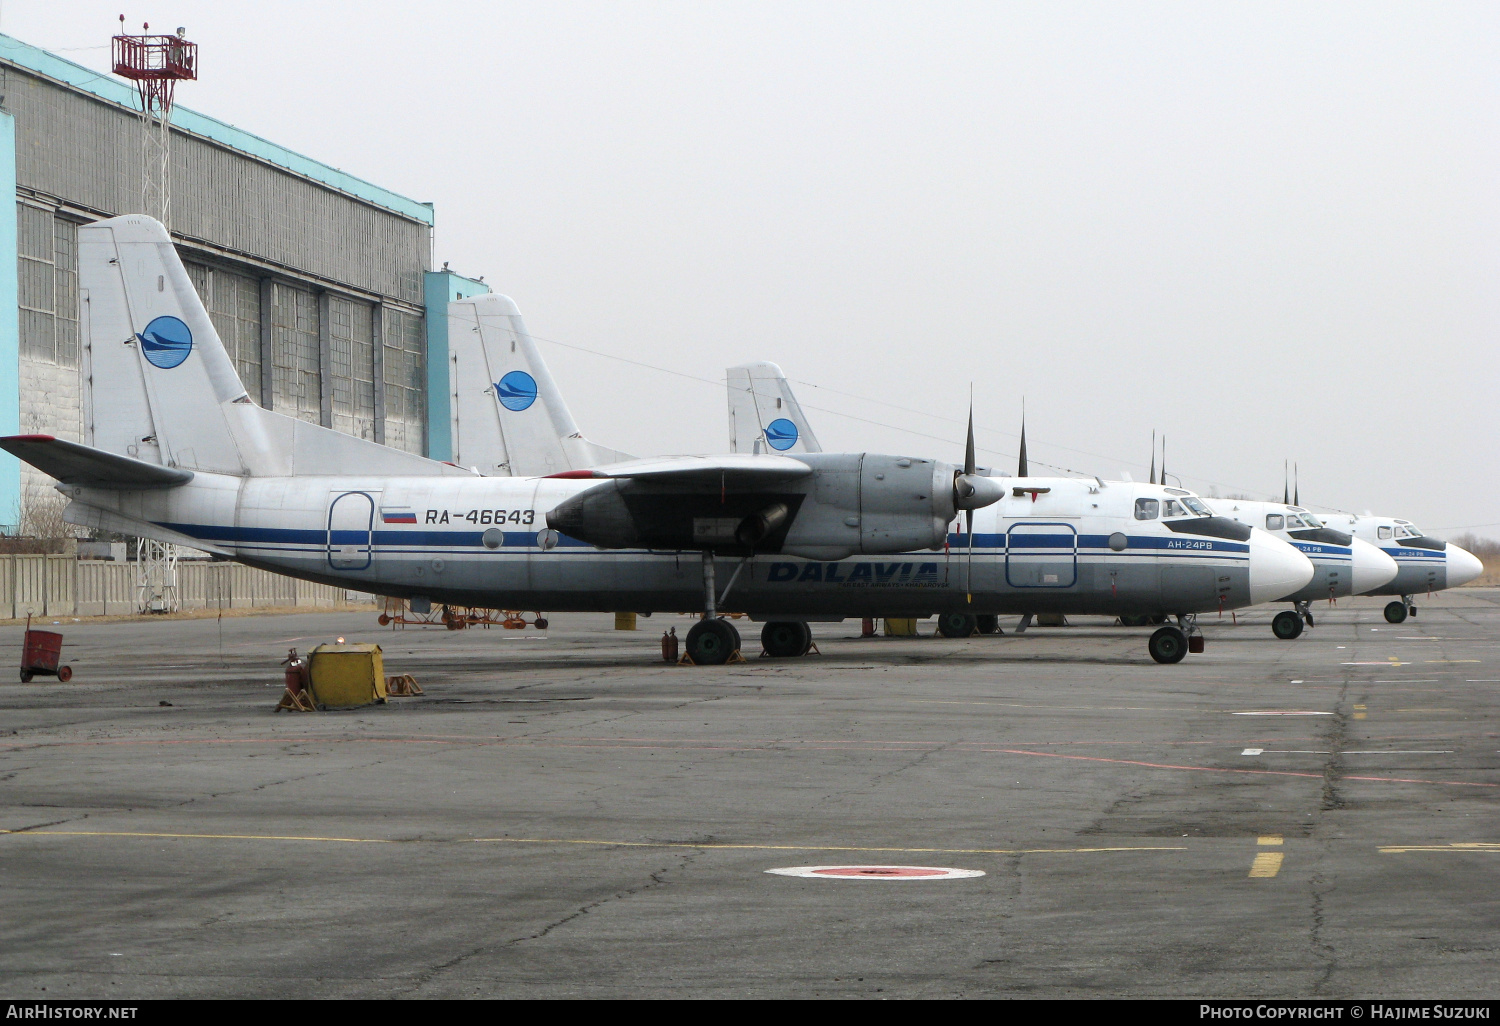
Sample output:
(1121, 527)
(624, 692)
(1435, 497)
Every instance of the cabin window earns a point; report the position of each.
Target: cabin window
(1385, 533)
(1173, 508)
(1275, 521)
(1146, 509)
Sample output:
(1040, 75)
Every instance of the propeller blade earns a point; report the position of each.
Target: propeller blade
(1021, 470)
(969, 577)
(969, 445)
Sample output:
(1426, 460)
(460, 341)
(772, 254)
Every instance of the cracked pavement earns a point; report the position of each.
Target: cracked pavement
(563, 815)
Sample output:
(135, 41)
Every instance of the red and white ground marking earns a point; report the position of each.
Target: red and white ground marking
(877, 872)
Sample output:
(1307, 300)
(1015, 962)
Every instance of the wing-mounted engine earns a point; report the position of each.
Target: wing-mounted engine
(818, 505)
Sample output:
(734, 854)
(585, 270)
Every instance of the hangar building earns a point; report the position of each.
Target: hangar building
(318, 282)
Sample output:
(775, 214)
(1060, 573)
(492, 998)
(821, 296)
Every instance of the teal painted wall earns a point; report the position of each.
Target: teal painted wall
(438, 290)
(10, 328)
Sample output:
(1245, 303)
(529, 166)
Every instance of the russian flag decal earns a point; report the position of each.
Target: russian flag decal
(398, 516)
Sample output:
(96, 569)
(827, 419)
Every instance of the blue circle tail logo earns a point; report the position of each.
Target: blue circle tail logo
(781, 434)
(166, 342)
(516, 391)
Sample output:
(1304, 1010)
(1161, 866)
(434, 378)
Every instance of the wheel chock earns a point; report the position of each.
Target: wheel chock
(295, 701)
(402, 686)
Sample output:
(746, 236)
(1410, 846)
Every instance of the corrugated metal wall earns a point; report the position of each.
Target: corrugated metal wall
(335, 258)
(75, 147)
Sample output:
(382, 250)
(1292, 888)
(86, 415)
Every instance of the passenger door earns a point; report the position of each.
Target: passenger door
(351, 518)
(1041, 555)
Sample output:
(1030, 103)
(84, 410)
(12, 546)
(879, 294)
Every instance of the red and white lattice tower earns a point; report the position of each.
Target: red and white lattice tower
(155, 64)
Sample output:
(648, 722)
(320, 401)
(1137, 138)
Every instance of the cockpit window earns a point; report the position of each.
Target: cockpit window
(1197, 506)
(1384, 532)
(1293, 520)
(1416, 532)
(1146, 509)
(1408, 532)
(1312, 521)
(1275, 521)
(1173, 508)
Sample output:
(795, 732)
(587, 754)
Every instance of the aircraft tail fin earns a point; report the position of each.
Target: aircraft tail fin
(508, 417)
(764, 415)
(160, 388)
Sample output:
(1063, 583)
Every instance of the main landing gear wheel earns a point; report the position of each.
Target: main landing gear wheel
(785, 639)
(711, 642)
(1132, 620)
(987, 623)
(1287, 625)
(1168, 645)
(1395, 612)
(957, 625)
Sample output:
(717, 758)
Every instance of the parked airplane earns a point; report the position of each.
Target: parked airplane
(506, 416)
(176, 450)
(1426, 564)
(1343, 564)
(765, 417)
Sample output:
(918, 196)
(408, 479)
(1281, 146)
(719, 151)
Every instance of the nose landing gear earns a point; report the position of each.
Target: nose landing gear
(1396, 612)
(1170, 644)
(1288, 623)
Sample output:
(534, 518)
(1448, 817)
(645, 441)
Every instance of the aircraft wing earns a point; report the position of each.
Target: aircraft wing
(76, 464)
(732, 468)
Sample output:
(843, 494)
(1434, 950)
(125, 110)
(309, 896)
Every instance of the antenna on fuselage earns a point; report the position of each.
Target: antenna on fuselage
(1153, 456)
(1286, 490)
(1296, 486)
(1163, 459)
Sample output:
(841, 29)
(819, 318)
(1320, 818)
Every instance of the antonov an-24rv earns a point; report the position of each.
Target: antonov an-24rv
(509, 418)
(177, 451)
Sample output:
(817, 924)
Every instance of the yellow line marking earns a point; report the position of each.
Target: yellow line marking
(1267, 863)
(1359, 707)
(824, 847)
(1269, 839)
(1393, 849)
(597, 843)
(1360, 715)
(207, 837)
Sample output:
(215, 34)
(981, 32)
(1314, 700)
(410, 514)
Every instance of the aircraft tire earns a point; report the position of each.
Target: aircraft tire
(1287, 625)
(1134, 620)
(712, 642)
(1159, 618)
(987, 623)
(786, 639)
(1168, 645)
(957, 625)
(1395, 612)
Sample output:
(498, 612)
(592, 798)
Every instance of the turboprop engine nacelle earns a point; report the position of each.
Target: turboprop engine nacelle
(834, 505)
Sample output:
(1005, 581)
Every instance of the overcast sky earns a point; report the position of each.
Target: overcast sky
(1271, 231)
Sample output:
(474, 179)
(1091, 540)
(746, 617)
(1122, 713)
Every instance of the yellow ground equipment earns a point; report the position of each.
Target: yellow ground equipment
(345, 676)
(624, 621)
(900, 627)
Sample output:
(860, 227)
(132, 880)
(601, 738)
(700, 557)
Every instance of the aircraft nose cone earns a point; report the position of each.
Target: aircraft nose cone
(1372, 567)
(1463, 566)
(1276, 568)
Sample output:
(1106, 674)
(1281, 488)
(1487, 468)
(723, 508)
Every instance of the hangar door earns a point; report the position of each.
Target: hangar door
(1041, 555)
(351, 517)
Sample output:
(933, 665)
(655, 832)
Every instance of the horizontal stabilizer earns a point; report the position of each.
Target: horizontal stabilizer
(733, 468)
(76, 464)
